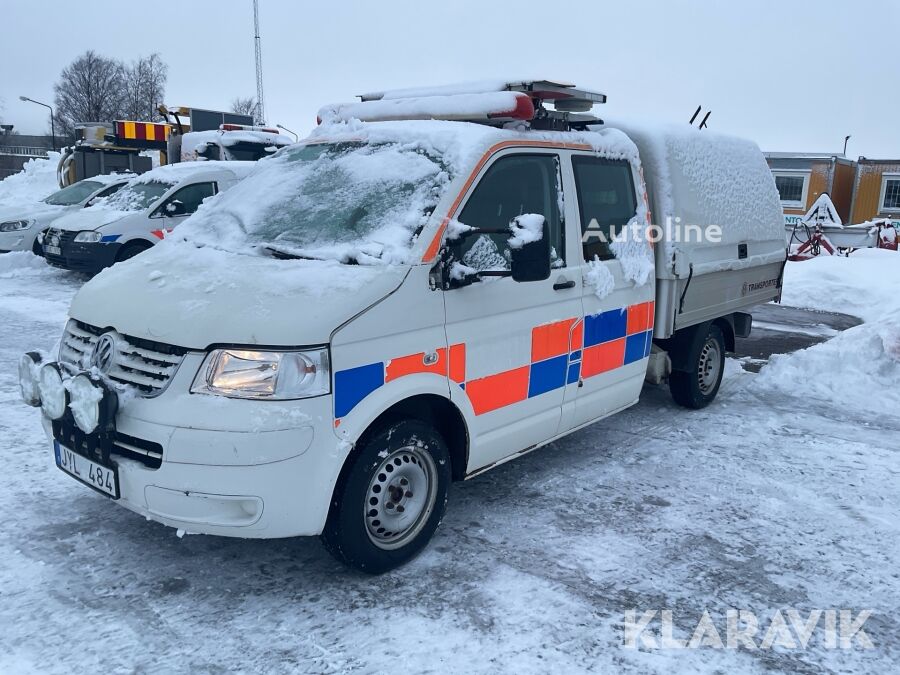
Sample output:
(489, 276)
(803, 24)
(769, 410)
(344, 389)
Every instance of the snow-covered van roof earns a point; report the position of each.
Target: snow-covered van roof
(175, 173)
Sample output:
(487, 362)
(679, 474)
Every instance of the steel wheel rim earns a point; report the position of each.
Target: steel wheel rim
(710, 366)
(400, 497)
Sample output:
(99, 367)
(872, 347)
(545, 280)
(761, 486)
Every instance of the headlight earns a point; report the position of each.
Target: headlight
(239, 373)
(15, 225)
(89, 237)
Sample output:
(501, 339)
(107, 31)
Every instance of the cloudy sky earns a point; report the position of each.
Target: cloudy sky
(792, 75)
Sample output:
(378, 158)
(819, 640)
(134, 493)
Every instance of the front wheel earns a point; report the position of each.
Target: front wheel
(132, 249)
(697, 386)
(390, 499)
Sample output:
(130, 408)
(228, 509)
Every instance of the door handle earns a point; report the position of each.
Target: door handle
(563, 285)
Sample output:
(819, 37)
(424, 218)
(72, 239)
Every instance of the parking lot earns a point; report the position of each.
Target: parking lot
(763, 501)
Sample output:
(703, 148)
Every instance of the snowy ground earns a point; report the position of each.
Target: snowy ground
(782, 494)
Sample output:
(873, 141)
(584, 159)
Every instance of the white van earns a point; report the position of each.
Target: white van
(390, 306)
(133, 219)
(21, 224)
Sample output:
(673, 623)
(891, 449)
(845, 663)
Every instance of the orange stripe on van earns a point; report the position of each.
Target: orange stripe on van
(578, 336)
(497, 391)
(415, 363)
(603, 357)
(458, 362)
(550, 340)
(640, 318)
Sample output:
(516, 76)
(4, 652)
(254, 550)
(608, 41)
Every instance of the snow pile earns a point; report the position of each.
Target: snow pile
(599, 278)
(34, 182)
(860, 368)
(865, 284)
(526, 229)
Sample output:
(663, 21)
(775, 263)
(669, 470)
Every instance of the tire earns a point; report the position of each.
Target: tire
(372, 502)
(37, 249)
(132, 249)
(696, 387)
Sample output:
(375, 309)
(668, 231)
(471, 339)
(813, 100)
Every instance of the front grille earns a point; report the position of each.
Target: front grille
(143, 364)
(65, 239)
(148, 453)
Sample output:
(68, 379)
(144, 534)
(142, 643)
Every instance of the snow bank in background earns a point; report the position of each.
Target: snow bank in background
(34, 182)
(865, 284)
(860, 368)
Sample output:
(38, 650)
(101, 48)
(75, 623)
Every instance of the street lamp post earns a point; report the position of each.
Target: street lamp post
(846, 138)
(52, 123)
(296, 137)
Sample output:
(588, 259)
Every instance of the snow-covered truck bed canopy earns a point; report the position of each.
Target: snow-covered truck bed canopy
(698, 182)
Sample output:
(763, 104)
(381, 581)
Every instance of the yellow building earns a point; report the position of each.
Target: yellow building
(861, 190)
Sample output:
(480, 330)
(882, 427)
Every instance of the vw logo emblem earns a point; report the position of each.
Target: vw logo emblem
(104, 353)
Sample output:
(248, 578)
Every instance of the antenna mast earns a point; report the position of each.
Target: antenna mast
(260, 97)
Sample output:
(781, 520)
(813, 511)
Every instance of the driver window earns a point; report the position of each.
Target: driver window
(187, 199)
(513, 185)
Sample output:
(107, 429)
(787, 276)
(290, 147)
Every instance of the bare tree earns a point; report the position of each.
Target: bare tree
(246, 106)
(145, 84)
(90, 89)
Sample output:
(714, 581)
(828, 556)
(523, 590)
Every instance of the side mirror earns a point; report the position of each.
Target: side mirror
(175, 208)
(530, 248)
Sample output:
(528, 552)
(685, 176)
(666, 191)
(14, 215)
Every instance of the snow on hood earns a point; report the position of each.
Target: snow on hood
(194, 297)
(91, 218)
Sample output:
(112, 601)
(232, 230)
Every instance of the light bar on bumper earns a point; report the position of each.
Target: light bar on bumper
(91, 402)
(264, 374)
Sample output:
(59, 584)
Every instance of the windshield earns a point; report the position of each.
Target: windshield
(352, 202)
(74, 194)
(135, 196)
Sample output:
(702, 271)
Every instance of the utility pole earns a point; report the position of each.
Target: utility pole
(260, 97)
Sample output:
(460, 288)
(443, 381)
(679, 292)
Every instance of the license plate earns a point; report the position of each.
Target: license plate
(102, 479)
(52, 250)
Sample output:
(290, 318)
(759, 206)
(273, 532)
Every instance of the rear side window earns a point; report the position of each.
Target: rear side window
(513, 185)
(606, 202)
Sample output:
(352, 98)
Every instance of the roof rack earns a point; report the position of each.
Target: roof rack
(492, 102)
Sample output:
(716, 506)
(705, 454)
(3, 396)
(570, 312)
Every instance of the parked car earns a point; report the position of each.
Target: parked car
(150, 206)
(389, 306)
(20, 225)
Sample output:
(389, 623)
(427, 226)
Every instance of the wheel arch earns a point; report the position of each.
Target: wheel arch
(432, 409)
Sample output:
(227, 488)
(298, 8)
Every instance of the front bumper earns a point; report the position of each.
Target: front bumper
(20, 240)
(258, 470)
(78, 257)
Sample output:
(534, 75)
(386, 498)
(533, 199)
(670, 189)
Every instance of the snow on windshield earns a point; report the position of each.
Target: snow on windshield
(135, 196)
(352, 202)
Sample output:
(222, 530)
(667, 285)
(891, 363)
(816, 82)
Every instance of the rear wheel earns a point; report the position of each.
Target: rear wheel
(132, 249)
(698, 385)
(390, 499)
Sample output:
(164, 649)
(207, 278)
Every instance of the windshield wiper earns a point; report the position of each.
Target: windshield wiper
(285, 255)
(281, 254)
